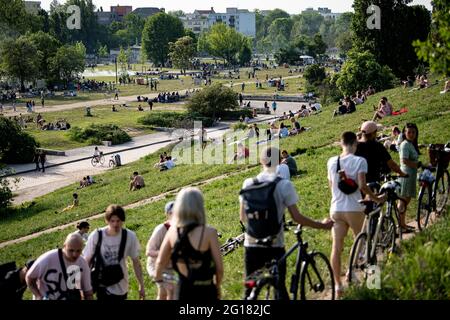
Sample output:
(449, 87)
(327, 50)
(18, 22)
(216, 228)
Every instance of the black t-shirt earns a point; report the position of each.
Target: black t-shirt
(376, 156)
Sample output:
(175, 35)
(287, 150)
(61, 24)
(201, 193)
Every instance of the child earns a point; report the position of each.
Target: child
(74, 204)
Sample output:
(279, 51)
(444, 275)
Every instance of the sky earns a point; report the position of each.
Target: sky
(291, 6)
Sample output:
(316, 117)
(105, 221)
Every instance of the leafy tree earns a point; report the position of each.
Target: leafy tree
(134, 24)
(400, 26)
(181, 53)
(103, 51)
(46, 46)
(223, 41)
(122, 60)
(315, 74)
(436, 49)
(16, 146)
(213, 101)
(344, 41)
(13, 18)
(360, 71)
(20, 59)
(68, 62)
(245, 55)
(177, 13)
(279, 31)
(159, 30)
(317, 46)
(269, 18)
(307, 23)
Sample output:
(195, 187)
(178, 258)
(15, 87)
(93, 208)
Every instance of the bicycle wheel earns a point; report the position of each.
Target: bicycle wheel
(111, 163)
(442, 192)
(102, 159)
(263, 292)
(387, 236)
(358, 259)
(423, 207)
(316, 278)
(94, 162)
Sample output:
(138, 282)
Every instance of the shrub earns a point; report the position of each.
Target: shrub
(16, 146)
(360, 71)
(5, 192)
(315, 74)
(213, 101)
(236, 114)
(162, 119)
(239, 126)
(95, 134)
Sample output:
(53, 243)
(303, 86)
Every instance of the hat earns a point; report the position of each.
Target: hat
(369, 127)
(169, 206)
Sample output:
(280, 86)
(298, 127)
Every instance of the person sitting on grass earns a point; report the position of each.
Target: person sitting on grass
(140, 108)
(290, 162)
(113, 109)
(74, 204)
(284, 132)
(83, 183)
(167, 165)
(137, 182)
(384, 109)
(296, 128)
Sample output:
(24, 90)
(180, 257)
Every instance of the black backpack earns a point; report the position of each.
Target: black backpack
(107, 275)
(261, 210)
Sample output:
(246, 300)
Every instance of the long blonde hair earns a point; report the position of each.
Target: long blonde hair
(189, 207)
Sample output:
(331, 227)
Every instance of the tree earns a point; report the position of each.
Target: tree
(344, 42)
(134, 24)
(68, 62)
(13, 18)
(177, 13)
(278, 33)
(245, 55)
(213, 101)
(268, 19)
(317, 46)
(360, 71)
(223, 41)
(307, 23)
(122, 60)
(315, 74)
(20, 59)
(400, 26)
(436, 49)
(159, 30)
(46, 46)
(16, 146)
(103, 51)
(181, 53)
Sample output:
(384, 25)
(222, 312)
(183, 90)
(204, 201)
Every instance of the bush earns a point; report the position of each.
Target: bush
(213, 101)
(162, 119)
(95, 134)
(236, 114)
(239, 126)
(16, 146)
(360, 71)
(5, 192)
(315, 74)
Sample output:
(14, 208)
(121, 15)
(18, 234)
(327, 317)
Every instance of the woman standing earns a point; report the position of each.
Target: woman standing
(193, 248)
(409, 155)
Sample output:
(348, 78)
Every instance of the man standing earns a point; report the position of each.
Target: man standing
(109, 248)
(285, 196)
(36, 159)
(42, 159)
(378, 158)
(61, 274)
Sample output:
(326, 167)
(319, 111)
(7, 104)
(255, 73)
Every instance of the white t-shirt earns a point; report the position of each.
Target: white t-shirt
(51, 283)
(285, 196)
(110, 253)
(154, 243)
(283, 171)
(352, 165)
(317, 106)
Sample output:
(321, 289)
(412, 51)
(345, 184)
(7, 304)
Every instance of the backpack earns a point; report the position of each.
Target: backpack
(111, 274)
(261, 210)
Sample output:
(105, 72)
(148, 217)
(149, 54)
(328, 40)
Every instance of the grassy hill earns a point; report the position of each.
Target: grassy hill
(427, 108)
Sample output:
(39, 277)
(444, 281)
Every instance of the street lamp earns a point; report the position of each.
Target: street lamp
(115, 62)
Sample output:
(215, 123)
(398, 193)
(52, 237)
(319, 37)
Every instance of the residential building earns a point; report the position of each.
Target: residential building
(147, 12)
(119, 12)
(324, 12)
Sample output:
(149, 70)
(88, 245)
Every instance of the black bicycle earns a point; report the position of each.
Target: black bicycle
(232, 244)
(434, 190)
(380, 231)
(312, 279)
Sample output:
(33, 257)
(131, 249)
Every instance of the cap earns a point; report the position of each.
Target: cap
(169, 206)
(369, 127)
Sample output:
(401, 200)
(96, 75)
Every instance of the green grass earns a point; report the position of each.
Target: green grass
(314, 148)
(126, 119)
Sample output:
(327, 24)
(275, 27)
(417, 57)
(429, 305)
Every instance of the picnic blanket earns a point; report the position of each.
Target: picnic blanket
(401, 111)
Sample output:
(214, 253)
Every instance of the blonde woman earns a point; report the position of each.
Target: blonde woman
(193, 248)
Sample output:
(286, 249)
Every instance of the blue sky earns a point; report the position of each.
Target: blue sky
(291, 6)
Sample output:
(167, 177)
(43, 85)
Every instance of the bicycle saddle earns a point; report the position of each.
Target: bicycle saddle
(391, 186)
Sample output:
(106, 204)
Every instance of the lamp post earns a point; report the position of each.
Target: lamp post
(115, 62)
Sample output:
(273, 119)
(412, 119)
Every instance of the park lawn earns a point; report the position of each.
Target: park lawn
(293, 86)
(314, 147)
(126, 119)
